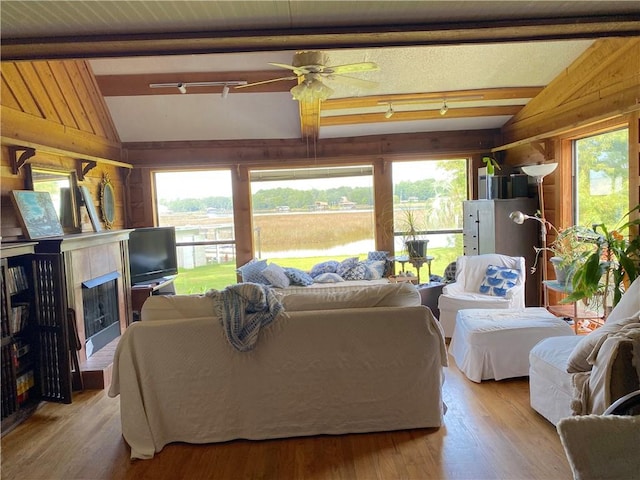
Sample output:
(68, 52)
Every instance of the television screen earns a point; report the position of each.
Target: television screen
(152, 254)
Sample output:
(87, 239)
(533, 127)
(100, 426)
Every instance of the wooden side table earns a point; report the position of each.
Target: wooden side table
(575, 311)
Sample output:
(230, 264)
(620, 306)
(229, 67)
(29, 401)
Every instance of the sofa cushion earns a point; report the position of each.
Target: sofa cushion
(577, 361)
(252, 271)
(357, 272)
(298, 277)
(276, 276)
(330, 266)
(328, 278)
(345, 265)
(375, 269)
(377, 255)
(499, 280)
(336, 297)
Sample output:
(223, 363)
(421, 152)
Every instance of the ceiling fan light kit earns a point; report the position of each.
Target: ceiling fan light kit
(310, 68)
(311, 90)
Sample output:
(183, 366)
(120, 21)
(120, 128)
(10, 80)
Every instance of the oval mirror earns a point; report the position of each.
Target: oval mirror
(107, 202)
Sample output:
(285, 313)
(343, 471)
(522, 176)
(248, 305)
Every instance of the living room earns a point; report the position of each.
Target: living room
(598, 93)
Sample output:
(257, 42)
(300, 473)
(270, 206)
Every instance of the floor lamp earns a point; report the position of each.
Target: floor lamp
(538, 172)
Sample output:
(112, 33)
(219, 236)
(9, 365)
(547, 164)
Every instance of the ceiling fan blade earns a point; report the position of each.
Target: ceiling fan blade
(302, 70)
(353, 68)
(266, 81)
(352, 81)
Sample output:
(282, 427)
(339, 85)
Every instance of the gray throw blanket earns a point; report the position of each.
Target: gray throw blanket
(245, 308)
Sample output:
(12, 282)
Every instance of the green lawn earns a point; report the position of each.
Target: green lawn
(218, 276)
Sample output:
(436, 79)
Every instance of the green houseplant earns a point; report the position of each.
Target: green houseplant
(569, 250)
(610, 267)
(411, 222)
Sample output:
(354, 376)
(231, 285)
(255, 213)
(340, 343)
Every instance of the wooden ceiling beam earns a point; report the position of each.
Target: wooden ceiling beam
(408, 116)
(187, 43)
(310, 119)
(128, 85)
(507, 93)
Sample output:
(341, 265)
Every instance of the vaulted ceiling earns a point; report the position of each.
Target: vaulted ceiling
(485, 59)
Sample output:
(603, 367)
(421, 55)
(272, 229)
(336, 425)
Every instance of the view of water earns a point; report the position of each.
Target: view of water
(353, 248)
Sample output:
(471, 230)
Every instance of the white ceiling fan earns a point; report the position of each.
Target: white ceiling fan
(311, 69)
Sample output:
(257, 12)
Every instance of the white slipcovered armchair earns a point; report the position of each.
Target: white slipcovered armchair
(465, 291)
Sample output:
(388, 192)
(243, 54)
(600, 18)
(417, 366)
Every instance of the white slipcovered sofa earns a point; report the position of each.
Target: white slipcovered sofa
(371, 360)
(580, 375)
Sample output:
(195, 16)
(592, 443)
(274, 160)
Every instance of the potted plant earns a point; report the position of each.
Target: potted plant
(569, 250)
(611, 266)
(410, 224)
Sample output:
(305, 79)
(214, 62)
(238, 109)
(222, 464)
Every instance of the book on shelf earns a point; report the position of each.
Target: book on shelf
(16, 279)
(18, 317)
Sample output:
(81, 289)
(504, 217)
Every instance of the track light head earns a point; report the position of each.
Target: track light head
(225, 91)
(444, 109)
(389, 113)
(182, 88)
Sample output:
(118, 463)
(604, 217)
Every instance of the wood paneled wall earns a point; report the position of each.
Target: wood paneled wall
(56, 108)
(599, 91)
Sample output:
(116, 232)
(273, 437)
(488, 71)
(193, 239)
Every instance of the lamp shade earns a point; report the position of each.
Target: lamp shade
(541, 170)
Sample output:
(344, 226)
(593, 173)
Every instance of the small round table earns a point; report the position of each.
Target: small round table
(417, 262)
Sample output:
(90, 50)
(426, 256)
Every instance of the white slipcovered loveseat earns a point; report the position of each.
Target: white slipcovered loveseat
(371, 360)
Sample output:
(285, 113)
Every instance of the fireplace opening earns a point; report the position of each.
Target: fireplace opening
(101, 312)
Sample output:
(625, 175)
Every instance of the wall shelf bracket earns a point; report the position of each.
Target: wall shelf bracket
(18, 161)
(84, 167)
(544, 147)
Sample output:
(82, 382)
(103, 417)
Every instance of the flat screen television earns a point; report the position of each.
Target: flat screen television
(152, 254)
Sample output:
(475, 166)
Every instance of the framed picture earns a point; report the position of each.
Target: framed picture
(91, 208)
(36, 213)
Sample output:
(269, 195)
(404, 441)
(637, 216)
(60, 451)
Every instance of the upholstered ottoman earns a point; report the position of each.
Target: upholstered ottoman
(495, 344)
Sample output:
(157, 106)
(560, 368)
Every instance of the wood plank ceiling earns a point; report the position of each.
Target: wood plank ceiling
(456, 39)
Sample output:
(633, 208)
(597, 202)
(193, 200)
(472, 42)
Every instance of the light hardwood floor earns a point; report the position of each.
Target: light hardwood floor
(489, 432)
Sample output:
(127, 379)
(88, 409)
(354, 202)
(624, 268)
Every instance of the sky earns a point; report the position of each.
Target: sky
(199, 184)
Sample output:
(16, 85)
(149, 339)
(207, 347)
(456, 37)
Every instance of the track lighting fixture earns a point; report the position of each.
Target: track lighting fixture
(444, 109)
(182, 86)
(389, 113)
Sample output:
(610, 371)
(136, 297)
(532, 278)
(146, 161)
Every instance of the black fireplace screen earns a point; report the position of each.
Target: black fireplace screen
(101, 313)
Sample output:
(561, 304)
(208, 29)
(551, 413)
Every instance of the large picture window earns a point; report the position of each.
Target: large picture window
(200, 205)
(306, 215)
(601, 165)
(431, 193)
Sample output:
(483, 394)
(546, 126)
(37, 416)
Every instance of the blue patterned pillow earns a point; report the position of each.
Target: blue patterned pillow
(499, 280)
(328, 277)
(357, 272)
(252, 271)
(298, 277)
(346, 265)
(375, 269)
(330, 266)
(377, 255)
(276, 275)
